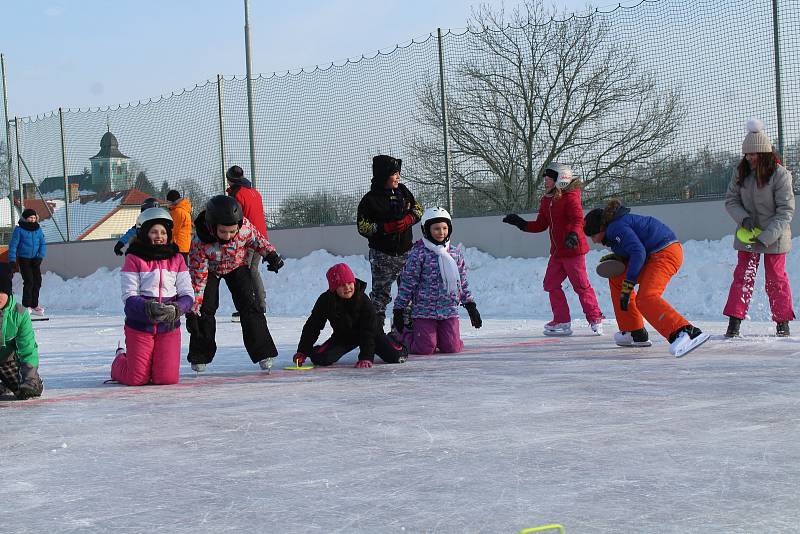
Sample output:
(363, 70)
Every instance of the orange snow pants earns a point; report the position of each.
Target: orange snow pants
(658, 270)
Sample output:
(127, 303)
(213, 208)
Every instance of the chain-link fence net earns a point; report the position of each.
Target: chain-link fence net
(647, 102)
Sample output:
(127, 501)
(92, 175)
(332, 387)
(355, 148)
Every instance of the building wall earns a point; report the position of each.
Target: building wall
(689, 220)
(114, 226)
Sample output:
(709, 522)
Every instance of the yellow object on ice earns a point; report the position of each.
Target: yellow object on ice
(542, 528)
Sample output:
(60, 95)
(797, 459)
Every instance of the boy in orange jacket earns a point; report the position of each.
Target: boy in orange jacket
(181, 211)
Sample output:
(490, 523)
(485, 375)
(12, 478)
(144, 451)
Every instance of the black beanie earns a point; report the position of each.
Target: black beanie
(173, 195)
(593, 222)
(5, 278)
(385, 166)
(28, 212)
(235, 175)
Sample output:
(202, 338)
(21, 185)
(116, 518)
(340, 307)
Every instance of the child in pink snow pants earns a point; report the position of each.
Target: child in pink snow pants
(760, 196)
(157, 291)
(561, 213)
(434, 283)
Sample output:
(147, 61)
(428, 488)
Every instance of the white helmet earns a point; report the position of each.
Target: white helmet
(435, 215)
(154, 214)
(563, 174)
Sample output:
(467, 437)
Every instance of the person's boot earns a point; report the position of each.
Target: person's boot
(636, 338)
(31, 384)
(266, 364)
(686, 339)
(782, 329)
(733, 327)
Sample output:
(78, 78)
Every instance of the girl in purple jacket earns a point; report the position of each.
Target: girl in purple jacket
(156, 290)
(434, 283)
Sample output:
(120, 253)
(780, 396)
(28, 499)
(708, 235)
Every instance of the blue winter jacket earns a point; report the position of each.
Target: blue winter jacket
(27, 241)
(124, 238)
(635, 237)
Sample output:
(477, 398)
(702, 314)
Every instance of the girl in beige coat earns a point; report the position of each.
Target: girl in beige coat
(760, 196)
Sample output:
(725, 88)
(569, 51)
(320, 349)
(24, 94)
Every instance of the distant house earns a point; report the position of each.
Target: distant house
(82, 182)
(117, 221)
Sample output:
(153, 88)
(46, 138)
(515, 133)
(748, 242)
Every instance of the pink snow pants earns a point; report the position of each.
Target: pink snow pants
(779, 292)
(430, 334)
(149, 358)
(574, 268)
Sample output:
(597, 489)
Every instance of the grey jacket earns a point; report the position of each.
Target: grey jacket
(771, 208)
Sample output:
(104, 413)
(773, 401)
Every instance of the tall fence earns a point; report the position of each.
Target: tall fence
(647, 102)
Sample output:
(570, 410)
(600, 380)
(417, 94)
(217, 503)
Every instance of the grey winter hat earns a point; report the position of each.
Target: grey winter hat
(756, 140)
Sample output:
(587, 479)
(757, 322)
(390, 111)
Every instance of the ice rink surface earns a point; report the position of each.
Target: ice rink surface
(518, 430)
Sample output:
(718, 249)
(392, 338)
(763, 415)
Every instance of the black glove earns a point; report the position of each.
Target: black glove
(625, 296)
(474, 315)
(274, 261)
(169, 313)
(747, 224)
(398, 320)
(118, 248)
(515, 220)
(572, 240)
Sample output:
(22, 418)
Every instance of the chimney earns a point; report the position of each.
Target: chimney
(28, 191)
(74, 192)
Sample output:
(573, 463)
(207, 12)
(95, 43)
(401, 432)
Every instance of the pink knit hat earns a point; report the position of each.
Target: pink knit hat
(339, 275)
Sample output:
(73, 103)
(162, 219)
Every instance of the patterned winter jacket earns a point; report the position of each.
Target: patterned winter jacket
(17, 335)
(209, 255)
(421, 285)
(27, 241)
(142, 279)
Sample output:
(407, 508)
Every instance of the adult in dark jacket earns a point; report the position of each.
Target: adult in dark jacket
(27, 249)
(252, 205)
(352, 318)
(385, 217)
(653, 256)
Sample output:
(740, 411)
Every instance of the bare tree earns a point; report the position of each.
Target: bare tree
(533, 91)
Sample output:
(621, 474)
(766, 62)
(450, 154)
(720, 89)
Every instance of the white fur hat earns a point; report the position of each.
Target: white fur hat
(756, 140)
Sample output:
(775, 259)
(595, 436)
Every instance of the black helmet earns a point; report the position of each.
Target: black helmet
(148, 203)
(223, 210)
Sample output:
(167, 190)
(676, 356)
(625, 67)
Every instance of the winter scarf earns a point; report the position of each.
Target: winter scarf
(30, 226)
(447, 265)
(150, 252)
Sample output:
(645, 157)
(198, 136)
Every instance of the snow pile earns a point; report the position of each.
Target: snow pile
(503, 287)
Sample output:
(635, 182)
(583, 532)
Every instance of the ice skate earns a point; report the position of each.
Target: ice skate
(688, 339)
(198, 367)
(266, 364)
(637, 338)
(558, 329)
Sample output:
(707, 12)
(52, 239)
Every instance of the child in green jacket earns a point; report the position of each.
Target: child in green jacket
(19, 353)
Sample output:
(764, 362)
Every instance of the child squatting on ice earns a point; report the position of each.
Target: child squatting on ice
(157, 291)
(434, 283)
(561, 212)
(19, 353)
(352, 317)
(653, 255)
(220, 250)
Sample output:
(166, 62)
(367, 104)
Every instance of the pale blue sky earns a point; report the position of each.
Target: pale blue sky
(99, 53)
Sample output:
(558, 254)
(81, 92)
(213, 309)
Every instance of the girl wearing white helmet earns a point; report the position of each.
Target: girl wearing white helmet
(157, 291)
(561, 213)
(434, 284)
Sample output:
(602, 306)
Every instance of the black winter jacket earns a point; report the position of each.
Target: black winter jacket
(353, 321)
(380, 206)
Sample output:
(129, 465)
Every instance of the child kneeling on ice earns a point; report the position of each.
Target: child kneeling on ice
(353, 319)
(19, 353)
(221, 249)
(653, 255)
(434, 282)
(157, 291)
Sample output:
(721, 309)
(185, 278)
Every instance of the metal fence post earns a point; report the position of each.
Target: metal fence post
(9, 158)
(19, 169)
(250, 118)
(777, 51)
(64, 168)
(220, 111)
(445, 127)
